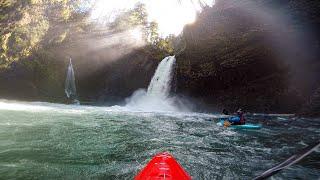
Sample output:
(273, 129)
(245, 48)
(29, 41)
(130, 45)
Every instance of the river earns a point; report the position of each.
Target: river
(55, 141)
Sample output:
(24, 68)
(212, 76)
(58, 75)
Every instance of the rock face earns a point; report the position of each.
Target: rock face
(315, 104)
(312, 108)
(251, 54)
(98, 78)
(117, 80)
(37, 78)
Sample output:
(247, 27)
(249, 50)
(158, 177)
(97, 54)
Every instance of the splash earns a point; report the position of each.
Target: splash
(157, 98)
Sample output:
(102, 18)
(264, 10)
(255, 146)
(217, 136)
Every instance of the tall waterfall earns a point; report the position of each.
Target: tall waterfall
(160, 84)
(157, 97)
(70, 85)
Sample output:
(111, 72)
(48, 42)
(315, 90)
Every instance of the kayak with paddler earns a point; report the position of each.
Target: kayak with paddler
(236, 122)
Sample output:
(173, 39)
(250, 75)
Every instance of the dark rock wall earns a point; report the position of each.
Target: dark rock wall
(252, 54)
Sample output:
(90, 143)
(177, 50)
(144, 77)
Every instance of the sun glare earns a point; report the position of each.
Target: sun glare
(136, 34)
(171, 15)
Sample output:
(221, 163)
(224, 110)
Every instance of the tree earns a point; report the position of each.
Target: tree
(25, 24)
(131, 18)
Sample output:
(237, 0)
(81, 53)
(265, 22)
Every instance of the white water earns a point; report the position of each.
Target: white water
(70, 85)
(44, 141)
(157, 98)
(160, 84)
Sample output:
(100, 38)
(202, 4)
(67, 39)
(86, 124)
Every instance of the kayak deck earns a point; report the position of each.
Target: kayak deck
(247, 126)
(163, 166)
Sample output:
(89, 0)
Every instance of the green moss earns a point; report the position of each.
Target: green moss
(6, 3)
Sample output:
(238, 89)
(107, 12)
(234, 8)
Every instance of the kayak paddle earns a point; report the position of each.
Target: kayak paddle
(292, 160)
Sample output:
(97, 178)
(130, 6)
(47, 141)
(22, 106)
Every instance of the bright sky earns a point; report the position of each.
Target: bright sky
(171, 15)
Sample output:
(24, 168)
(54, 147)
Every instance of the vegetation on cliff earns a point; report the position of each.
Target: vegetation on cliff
(25, 24)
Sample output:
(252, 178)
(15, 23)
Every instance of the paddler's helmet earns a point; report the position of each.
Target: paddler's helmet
(239, 111)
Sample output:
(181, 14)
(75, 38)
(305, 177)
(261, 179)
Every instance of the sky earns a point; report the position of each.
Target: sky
(171, 15)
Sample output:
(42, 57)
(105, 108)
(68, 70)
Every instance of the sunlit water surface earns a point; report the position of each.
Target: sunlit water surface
(51, 141)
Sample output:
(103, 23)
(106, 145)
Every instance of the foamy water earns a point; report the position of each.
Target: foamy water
(157, 97)
(55, 141)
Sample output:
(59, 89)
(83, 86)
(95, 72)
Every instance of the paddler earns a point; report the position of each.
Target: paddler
(241, 120)
(236, 120)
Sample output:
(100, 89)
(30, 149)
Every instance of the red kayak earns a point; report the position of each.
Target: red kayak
(163, 166)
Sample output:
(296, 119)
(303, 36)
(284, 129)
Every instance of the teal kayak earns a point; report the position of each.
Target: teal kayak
(245, 126)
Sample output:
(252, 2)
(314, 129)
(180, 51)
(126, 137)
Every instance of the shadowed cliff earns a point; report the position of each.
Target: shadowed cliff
(259, 55)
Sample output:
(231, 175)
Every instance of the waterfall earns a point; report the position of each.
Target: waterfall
(157, 97)
(70, 85)
(160, 84)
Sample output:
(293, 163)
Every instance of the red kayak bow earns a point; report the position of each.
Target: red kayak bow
(163, 166)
